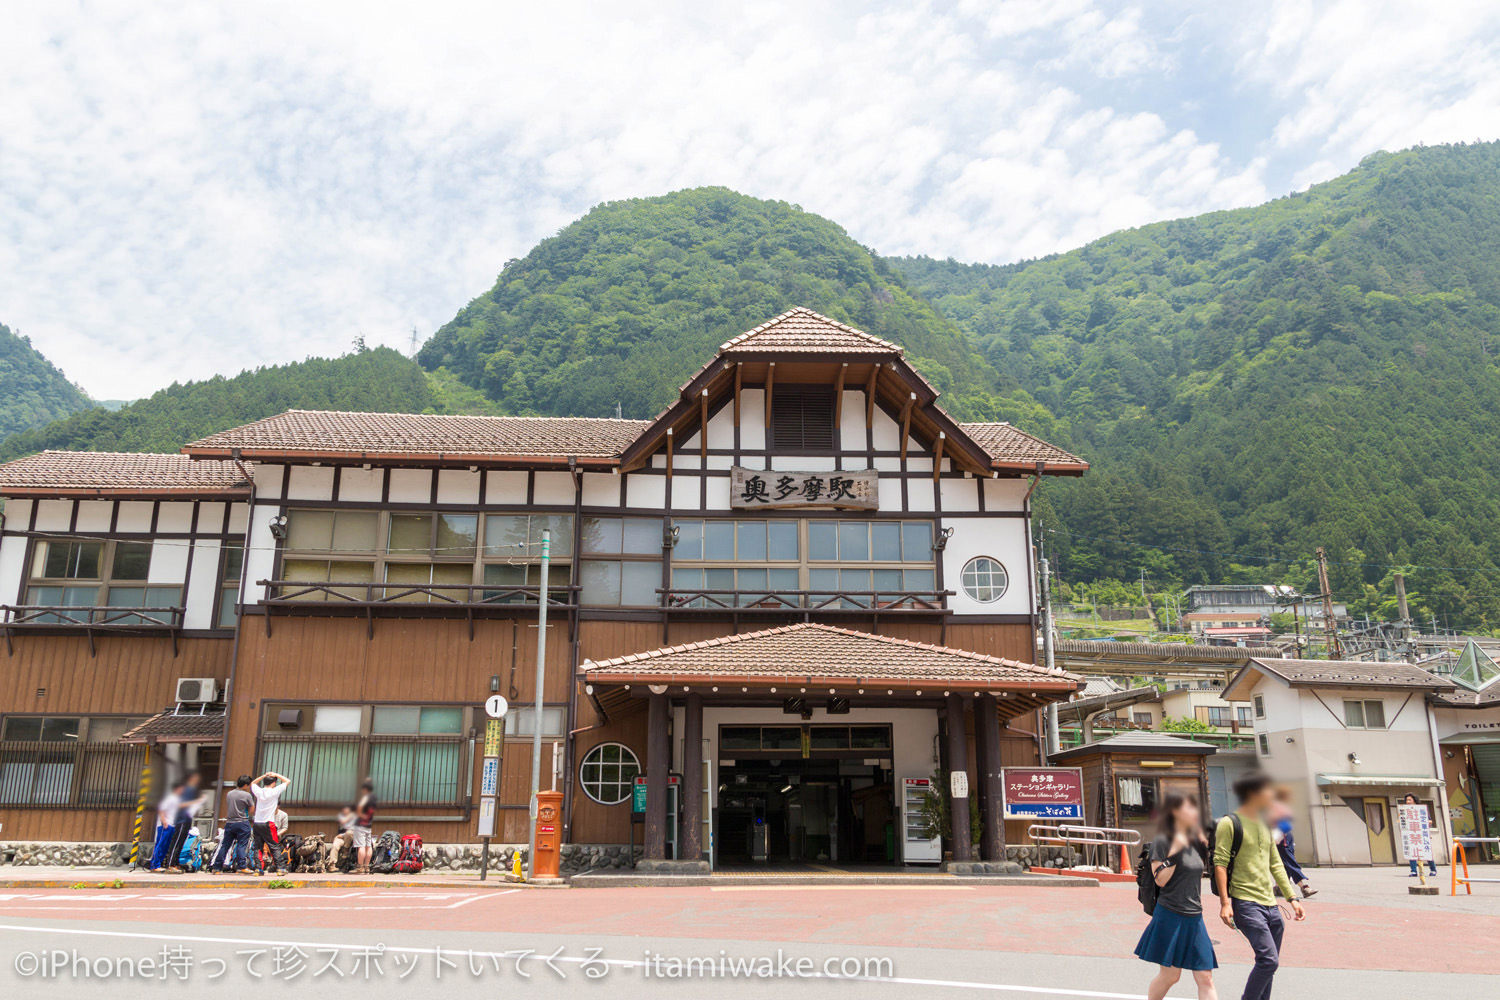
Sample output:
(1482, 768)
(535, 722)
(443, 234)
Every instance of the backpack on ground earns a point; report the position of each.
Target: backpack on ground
(409, 857)
(1234, 850)
(387, 850)
(291, 843)
(1146, 889)
(190, 858)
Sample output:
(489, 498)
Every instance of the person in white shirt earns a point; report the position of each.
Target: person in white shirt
(166, 824)
(267, 790)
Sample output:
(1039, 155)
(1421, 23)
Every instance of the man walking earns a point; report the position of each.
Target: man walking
(239, 806)
(166, 826)
(267, 790)
(1247, 869)
(189, 798)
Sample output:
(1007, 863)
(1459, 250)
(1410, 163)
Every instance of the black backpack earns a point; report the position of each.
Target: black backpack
(1146, 889)
(1234, 850)
(383, 861)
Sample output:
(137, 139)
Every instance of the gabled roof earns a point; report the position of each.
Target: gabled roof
(437, 437)
(88, 473)
(801, 330)
(1011, 447)
(1334, 673)
(811, 653)
(1138, 742)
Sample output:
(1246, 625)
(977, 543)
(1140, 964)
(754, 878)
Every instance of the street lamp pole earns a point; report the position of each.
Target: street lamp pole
(536, 717)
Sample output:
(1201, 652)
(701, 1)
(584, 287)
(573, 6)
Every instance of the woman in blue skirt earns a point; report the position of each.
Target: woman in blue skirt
(1176, 938)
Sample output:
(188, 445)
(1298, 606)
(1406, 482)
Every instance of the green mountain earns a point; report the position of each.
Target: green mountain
(32, 390)
(1320, 370)
(623, 305)
(369, 380)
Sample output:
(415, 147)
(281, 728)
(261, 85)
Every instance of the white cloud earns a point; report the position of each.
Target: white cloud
(193, 188)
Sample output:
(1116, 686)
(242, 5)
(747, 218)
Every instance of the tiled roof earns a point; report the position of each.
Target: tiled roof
(1007, 444)
(1462, 698)
(1167, 652)
(184, 727)
(425, 434)
(117, 472)
(1139, 742)
(801, 329)
(1337, 673)
(824, 653)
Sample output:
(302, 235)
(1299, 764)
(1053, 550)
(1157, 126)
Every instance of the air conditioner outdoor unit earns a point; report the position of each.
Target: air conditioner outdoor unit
(196, 690)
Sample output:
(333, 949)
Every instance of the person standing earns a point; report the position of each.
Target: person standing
(364, 826)
(239, 806)
(1411, 800)
(1286, 845)
(1247, 878)
(1176, 938)
(267, 790)
(166, 826)
(189, 798)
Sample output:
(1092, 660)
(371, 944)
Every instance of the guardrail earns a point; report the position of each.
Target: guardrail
(1087, 838)
(1456, 858)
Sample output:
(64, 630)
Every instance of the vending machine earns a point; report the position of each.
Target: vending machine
(916, 847)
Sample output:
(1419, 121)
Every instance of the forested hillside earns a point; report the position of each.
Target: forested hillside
(32, 390)
(1321, 370)
(626, 303)
(369, 380)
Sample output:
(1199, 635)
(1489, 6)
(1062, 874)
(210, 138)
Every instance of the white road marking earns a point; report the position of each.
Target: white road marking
(65, 903)
(956, 984)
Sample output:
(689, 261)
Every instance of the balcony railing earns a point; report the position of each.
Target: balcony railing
(867, 601)
(54, 615)
(289, 593)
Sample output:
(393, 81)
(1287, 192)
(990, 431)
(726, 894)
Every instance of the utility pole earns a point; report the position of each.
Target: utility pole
(1053, 742)
(1335, 648)
(536, 719)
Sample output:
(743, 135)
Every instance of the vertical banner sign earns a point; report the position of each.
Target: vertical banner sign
(489, 778)
(1042, 792)
(1416, 833)
(494, 732)
(486, 817)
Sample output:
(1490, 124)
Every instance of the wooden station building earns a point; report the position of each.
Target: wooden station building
(796, 594)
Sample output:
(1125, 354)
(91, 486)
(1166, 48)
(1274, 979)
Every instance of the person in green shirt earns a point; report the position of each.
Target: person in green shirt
(1247, 882)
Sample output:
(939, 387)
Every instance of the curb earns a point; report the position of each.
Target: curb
(664, 881)
(248, 882)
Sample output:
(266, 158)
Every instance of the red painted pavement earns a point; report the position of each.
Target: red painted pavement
(1104, 921)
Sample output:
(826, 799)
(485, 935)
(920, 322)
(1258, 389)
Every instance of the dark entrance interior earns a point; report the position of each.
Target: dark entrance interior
(833, 806)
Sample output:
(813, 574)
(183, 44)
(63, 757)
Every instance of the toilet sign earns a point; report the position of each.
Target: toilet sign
(495, 706)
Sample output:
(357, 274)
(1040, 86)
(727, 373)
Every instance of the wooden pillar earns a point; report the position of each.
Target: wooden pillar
(987, 752)
(692, 779)
(658, 766)
(958, 760)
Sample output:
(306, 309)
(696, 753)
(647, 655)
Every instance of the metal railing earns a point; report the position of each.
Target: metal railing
(68, 774)
(884, 602)
(1457, 859)
(54, 615)
(1086, 838)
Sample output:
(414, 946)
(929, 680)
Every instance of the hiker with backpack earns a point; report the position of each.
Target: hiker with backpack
(1170, 884)
(1247, 872)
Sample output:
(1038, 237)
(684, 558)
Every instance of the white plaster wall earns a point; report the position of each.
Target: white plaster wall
(1467, 721)
(239, 516)
(309, 482)
(12, 567)
(269, 481)
(1002, 538)
(718, 493)
(649, 492)
(203, 585)
(753, 419)
(358, 485)
(685, 492)
(94, 515)
(921, 495)
(506, 487)
(554, 488)
(174, 516)
(54, 515)
(601, 489)
(260, 555)
(721, 427)
(1005, 494)
(135, 515)
(960, 495)
(458, 486)
(211, 516)
(851, 432)
(411, 486)
(169, 560)
(887, 433)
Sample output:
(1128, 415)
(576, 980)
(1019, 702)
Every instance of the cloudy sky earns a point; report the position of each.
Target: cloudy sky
(193, 188)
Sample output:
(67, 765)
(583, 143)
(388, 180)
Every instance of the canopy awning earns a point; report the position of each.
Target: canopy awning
(176, 726)
(1380, 780)
(1465, 739)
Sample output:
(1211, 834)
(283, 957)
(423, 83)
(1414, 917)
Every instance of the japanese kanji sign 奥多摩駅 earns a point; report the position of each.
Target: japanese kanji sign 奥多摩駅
(764, 488)
(1042, 792)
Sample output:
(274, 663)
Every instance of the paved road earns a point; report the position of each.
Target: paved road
(1366, 938)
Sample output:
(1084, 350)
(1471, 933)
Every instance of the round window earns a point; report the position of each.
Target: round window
(607, 773)
(984, 579)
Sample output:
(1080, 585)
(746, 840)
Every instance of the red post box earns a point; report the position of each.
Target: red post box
(548, 835)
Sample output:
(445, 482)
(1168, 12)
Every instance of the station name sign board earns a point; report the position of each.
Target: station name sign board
(1042, 792)
(764, 489)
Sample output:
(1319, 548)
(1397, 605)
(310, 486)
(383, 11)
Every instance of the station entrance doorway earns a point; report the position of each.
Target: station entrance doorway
(812, 794)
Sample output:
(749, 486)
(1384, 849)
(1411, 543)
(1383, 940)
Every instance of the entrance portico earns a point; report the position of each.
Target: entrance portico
(835, 716)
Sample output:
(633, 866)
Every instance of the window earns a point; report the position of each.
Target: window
(1264, 742)
(98, 575)
(230, 568)
(1138, 798)
(1242, 713)
(1364, 714)
(68, 761)
(435, 557)
(632, 576)
(1141, 718)
(758, 562)
(518, 722)
(984, 579)
(801, 418)
(1260, 706)
(607, 773)
(1218, 717)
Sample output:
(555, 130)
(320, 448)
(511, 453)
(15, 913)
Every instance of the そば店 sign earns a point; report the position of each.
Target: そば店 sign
(1042, 792)
(764, 489)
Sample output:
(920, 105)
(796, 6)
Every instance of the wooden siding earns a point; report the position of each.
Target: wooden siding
(130, 675)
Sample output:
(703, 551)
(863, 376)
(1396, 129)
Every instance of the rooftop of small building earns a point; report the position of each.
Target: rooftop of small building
(54, 473)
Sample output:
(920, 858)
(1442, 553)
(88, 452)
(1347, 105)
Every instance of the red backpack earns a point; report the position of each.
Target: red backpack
(409, 858)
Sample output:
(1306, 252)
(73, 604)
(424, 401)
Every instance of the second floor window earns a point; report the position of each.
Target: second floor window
(77, 573)
(1364, 714)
